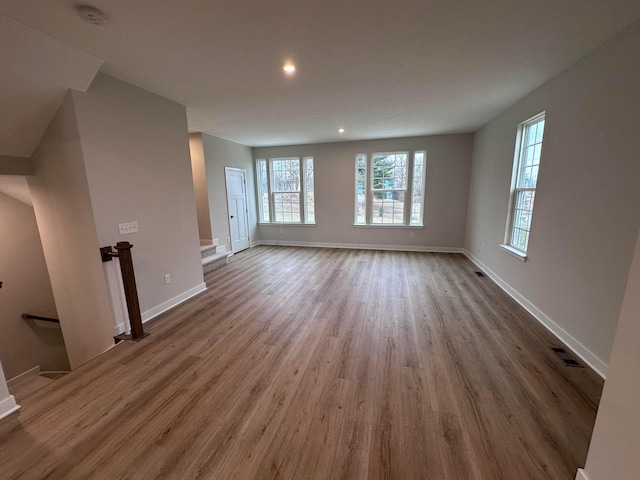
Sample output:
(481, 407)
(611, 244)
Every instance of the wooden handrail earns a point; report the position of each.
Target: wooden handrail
(123, 252)
(27, 316)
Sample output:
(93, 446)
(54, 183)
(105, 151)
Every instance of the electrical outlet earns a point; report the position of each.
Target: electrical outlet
(410, 234)
(483, 247)
(282, 230)
(127, 228)
(167, 279)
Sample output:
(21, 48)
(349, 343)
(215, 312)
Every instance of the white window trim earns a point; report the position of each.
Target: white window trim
(408, 191)
(517, 161)
(271, 192)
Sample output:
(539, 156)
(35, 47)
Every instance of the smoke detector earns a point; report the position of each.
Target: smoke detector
(92, 15)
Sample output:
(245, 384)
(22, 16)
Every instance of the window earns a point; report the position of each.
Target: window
(285, 190)
(523, 185)
(393, 192)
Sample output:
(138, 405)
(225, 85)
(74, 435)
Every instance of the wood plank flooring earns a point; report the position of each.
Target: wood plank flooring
(302, 363)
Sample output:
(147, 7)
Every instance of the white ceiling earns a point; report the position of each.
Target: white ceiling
(379, 68)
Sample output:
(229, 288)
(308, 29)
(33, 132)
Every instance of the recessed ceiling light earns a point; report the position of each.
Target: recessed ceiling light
(289, 67)
(341, 130)
(92, 15)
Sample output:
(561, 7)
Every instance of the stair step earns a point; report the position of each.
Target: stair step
(207, 250)
(211, 262)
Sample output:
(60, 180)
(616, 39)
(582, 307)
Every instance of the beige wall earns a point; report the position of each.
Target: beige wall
(26, 289)
(136, 154)
(219, 153)
(448, 169)
(200, 187)
(15, 165)
(587, 207)
(613, 453)
(63, 209)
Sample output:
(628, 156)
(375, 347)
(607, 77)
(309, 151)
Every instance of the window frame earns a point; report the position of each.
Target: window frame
(271, 192)
(408, 190)
(516, 189)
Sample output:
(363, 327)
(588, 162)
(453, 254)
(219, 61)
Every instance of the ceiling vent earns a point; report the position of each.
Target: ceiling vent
(92, 15)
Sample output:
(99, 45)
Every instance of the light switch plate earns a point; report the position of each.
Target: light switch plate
(126, 228)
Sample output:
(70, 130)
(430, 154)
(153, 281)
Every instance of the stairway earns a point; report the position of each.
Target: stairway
(210, 259)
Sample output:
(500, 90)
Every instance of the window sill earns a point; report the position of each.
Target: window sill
(516, 253)
(283, 224)
(386, 225)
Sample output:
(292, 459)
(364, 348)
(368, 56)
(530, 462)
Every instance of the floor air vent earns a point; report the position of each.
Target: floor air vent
(568, 360)
(480, 274)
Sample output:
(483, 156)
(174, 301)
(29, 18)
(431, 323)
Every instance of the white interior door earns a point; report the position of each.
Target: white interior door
(237, 206)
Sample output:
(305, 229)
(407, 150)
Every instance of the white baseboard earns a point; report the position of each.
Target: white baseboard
(163, 307)
(255, 244)
(359, 246)
(32, 372)
(581, 475)
(583, 352)
(8, 406)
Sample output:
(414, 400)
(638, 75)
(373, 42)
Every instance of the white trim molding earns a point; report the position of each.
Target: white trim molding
(8, 406)
(581, 475)
(163, 307)
(169, 304)
(583, 352)
(361, 246)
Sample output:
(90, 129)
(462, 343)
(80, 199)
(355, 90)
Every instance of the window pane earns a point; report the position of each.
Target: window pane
(528, 166)
(310, 194)
(286, 207)
(389, 171)
(263, 191)
(416, 188)
(361, 203)
(388, 207)
(285, 174)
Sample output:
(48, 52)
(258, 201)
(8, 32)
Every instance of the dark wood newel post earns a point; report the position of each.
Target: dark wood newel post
(130, 291)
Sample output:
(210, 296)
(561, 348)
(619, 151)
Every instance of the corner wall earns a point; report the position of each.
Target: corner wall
(219, 153)
(136, 154)
(613, 453)
(448, 171)
(587, 208)
(200, 189)
(66, 223)
(7, 401)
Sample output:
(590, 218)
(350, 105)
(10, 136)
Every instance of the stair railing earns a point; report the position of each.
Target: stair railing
(123, 253)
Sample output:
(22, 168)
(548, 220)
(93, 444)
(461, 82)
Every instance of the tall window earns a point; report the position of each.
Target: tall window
(523, 185)
(285, 190)
(393, 192)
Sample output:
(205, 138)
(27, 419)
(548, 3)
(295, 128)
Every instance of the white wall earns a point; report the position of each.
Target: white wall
(25, 344)
(587, 208)
(66, 223)
(136, 154)
(7, 401)
(219, 153)
(613, 453)
(200, 189)
(448, 171)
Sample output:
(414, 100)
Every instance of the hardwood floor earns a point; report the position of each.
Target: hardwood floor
(302, 363)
